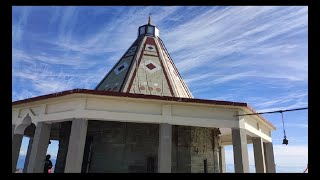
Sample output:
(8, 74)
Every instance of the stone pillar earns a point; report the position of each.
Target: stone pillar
(64, 135)
(222, 160)
(216, 165)
(269, 157)
(258, 155)
(76, 146)
(39, 148)
(165, 146)
(240, 151)
(26, 161)
(16, 145)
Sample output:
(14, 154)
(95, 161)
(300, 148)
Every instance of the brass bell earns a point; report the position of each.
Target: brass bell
(285, 141)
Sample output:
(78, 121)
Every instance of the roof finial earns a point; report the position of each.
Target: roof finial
(149, 20)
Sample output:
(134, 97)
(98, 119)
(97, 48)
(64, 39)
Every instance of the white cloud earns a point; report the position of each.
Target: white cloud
(291, 155)
(22, 152)
(286, 157)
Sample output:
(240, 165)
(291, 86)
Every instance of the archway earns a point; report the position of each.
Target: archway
(23, 133)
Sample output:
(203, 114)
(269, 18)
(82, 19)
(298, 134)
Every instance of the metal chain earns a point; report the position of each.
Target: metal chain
(284, 131)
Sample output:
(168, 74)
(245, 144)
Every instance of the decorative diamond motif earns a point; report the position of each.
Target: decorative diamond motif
(131, 51)
(150, 66)
(150, 47)
(121, 68)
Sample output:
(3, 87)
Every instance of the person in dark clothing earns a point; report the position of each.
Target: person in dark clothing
(47, 164)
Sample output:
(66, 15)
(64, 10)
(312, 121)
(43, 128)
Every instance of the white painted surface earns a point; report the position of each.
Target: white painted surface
(124, 109)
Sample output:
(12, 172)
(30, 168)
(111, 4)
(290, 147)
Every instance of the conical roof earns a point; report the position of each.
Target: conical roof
(146, 68)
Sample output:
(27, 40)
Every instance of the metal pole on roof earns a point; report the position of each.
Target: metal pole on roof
(269, 112)
(285, 140)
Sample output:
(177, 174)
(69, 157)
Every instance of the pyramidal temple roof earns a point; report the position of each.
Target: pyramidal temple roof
(146, 68)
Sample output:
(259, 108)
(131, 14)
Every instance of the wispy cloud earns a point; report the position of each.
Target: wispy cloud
(218, 33)
(19, 27)
(22, 95)
(296, 125)
(67, 25)
(44, 80)
(75, 61)
(295, 98)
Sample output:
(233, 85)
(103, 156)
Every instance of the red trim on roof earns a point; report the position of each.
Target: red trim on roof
(126, 77)
(163, 68)
(140, 96)
(136, 67)
(174, 66)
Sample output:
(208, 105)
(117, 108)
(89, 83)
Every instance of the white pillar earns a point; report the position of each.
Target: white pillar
(269, 157)
(76, 146)
(258, 154)
(16, 145)
(165, 146)
(39, 148)
(240, 151)
(222, 160)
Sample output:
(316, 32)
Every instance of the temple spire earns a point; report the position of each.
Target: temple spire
(146, 68)
(149, 20)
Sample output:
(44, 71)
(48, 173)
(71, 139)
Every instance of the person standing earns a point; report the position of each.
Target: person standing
(47, 164)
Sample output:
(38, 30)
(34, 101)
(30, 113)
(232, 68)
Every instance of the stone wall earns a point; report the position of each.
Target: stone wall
(190, 147)
(119, 147)
(122, 147)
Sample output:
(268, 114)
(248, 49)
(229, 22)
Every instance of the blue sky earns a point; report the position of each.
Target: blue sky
(257, 55)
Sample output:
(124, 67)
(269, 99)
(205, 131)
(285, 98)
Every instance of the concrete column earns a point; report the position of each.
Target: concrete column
(16, 145)
(76, 146)
(216, 165)
(269, 157)
(165, 146)
(39, 148)
(240, 151)
(13, 127)
(64, 135)
(258, 155)
(222, 160)
(26, 161)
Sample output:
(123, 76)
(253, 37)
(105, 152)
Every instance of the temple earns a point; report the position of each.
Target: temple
(140, 118)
